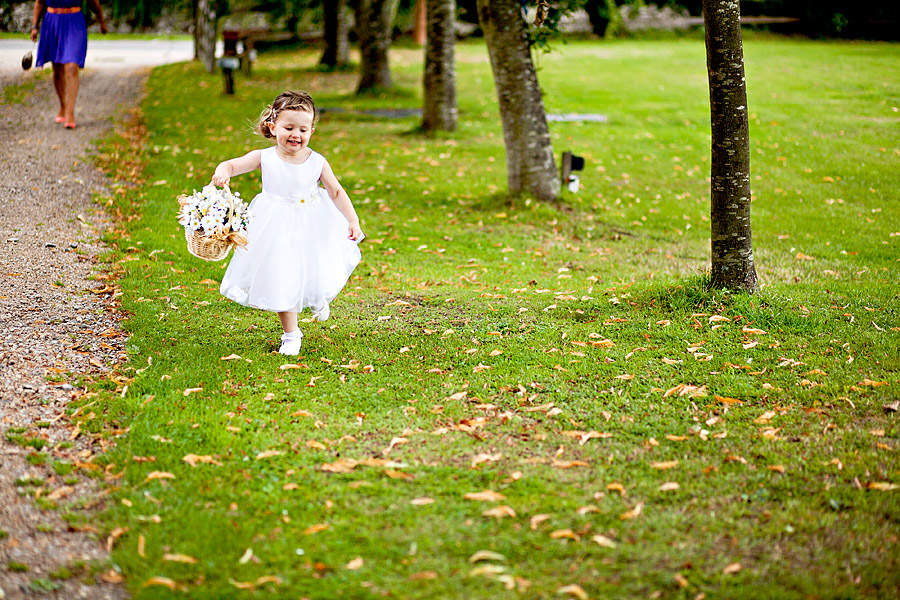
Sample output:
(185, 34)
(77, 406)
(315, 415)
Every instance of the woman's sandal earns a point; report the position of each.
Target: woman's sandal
(69, 125)
(59, 119)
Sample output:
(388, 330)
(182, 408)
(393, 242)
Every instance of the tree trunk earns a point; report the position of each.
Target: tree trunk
(439, 110)
(205, 34)
(420, 19)
(529, 152)
(374, 25)
(730, 240)
(337, 44)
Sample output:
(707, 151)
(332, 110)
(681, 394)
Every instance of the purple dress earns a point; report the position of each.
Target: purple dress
(63, 36)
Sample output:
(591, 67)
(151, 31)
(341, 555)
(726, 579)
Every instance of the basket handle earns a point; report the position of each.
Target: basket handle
(227, 188)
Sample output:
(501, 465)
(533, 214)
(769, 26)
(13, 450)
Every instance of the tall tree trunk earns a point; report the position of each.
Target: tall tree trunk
(730, 240)
(439, 110)
(529, 152)
(374, 25)
(420, 19)
(337, 44)
(205, 34)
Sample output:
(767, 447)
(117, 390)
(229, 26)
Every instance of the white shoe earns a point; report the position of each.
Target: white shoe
(322, 314)
(290, 343)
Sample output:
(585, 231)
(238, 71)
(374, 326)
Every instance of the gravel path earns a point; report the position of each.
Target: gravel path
(58, 322)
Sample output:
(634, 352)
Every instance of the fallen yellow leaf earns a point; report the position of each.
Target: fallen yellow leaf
(355, 564)
(315, 528)
(163, 581)
(732, 568)
(499, 512)
(180, 558)
(669, 464)
(537, 520)
(633, 513)
(884, 486)
(564, 533)
(269, 454)
(486, 555)
(573, 589)
(485, 496)
(193, 459)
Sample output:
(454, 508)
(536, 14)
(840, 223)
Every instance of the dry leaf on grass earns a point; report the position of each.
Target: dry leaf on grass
(499, 512)
(159, 475)
(485, 496)
(537, 520)
(163, 581)
(421, 501)
(179, 558)
(564, 533)
(669, 464)
(574, 590)
(485, 555)
(603, 541)
(633, 513)
(355, 564)
(269, 454)
(732, 568)
(669, 486)
(315, 528)
(884, 486)
(193, 459)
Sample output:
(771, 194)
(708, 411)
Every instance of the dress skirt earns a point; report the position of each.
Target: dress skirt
(63, 39)
(298, 254)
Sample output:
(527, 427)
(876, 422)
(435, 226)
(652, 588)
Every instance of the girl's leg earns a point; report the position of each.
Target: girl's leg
(71, 75)
(288, 321)
(292, 338)
(59, 83)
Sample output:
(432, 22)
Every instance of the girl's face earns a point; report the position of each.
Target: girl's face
(292, 130)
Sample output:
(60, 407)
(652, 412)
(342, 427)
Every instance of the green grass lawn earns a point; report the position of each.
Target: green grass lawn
(641, 436)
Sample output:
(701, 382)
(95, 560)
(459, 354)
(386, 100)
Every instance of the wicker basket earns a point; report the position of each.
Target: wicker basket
(208, 247)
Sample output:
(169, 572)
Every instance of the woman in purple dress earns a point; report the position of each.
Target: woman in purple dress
(63, 42)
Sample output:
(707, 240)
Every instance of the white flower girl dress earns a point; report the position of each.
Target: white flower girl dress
(298, 254)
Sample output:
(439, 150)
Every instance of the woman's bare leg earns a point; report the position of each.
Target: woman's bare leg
(59, 84)
(71, 88)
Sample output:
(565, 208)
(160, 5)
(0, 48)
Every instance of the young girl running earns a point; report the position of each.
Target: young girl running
(302, 243)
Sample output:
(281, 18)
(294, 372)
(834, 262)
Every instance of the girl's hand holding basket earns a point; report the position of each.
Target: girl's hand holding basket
(214, 220)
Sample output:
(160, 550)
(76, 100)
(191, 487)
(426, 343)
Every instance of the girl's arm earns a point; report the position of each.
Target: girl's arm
(236, 166)
(341, 201)
(94, 5)
(38, 12)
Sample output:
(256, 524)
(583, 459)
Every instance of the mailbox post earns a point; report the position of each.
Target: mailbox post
(229, 64)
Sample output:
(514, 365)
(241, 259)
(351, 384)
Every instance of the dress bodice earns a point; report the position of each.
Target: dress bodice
(63, 3)
(287, 180)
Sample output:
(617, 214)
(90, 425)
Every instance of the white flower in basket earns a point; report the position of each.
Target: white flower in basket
(214, 220)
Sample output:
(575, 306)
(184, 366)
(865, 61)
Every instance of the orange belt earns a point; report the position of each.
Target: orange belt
(63, 11)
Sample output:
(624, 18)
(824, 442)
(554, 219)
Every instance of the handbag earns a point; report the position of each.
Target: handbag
(28, 60)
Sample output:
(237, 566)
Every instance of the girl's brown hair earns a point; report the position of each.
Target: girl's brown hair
(289, 100)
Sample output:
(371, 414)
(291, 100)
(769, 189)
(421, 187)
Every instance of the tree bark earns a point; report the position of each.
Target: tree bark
(205, 34)
(337, 44)
(530, 165)
(730, 239)
(439, 111)
(374, 25)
